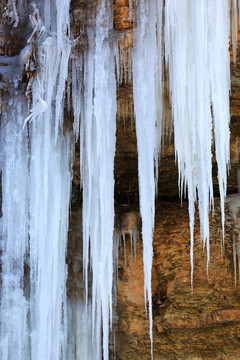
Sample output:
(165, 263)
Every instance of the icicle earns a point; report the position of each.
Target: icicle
(238, 256)
(129, 57)
(238, 179)
(80, 346)
(130, 10)
(11, 12)
(97, 137)
(235, 260)
(123, 238)
(128, 225)
(77, 93)
(196, 48)
(36, 193)
(50, 184)
(220, 87)
(124, 61)
(147, 104)
(47, 13)
(14, 233)
(234, 28)
(233, 203)
(116, 243)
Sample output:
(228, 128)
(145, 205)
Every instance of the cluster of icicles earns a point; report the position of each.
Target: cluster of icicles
(36, 160)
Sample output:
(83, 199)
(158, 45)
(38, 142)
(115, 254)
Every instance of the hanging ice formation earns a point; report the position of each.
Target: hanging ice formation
(36, 183)
(235, 12)
(80, 344)
(50, 184)
(14, 234)
(147, 90)
(233, 203)
(97, 142)
(196, 50)
(197, 58)
(11, 12)
(36, 157)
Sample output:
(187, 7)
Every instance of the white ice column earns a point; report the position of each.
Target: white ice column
(49, 195)
(97, 138)
(14, 233)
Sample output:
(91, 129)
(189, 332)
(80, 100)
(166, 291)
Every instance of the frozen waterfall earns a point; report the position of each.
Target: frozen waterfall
(189, 40)
(36, 184)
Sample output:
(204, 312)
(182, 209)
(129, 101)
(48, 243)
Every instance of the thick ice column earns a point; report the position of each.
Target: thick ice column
(196, 48)
(36, 178)
(50, 185)
(147, 89)
(14, 233)
(49, 194)
(97, 162)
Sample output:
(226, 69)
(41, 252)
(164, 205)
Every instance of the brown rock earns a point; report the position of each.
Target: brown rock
(199, 325)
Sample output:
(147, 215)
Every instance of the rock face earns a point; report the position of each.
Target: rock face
(199, 325)
(204, 324)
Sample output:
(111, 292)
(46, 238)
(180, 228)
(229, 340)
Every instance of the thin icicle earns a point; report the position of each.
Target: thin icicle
(238, 179)
(238, 257)
(233, 203)
(124, 61)
(130, 10)
(128, 225)
(77, 82)
(234, 28)
(147, 104)
(11, 12)
(220, 87)
(235, 260)
(196, 48)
